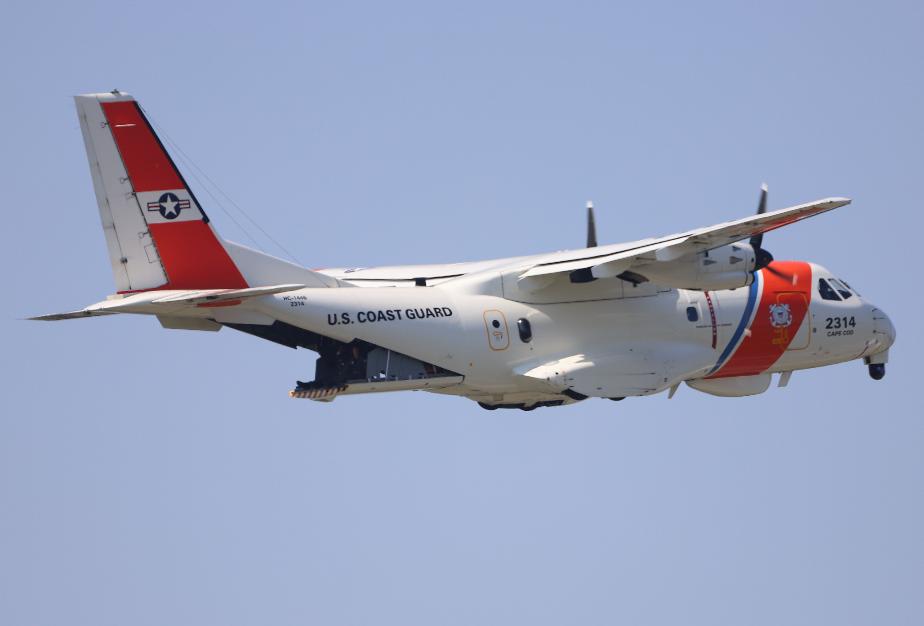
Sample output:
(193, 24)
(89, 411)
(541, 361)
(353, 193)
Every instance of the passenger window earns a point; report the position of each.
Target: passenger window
(692, 314)
(827, 292)
(841, 288)
(525, 330)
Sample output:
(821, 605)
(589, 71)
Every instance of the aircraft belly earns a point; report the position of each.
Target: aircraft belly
(623, 370)
(608, 376)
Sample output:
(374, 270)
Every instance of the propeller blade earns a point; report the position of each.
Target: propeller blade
(779, 273)
(762, 205)
(762, 258)
(758, 240)
(591, 226)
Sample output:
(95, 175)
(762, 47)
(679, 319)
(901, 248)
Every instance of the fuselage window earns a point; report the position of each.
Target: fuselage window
(525, 330)
(827, 291)
(841, 288)
(692, 314)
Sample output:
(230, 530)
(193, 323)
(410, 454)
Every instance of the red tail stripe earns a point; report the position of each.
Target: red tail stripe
(192, 255)
(148, 166)
(194, 258)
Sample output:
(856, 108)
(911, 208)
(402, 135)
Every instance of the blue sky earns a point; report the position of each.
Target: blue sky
(151, 476)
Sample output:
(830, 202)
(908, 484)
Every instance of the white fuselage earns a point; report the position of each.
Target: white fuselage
(622, 340)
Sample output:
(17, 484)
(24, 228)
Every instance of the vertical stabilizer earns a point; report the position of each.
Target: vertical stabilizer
(157, 234)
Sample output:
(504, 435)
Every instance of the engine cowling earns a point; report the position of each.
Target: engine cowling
(727, 267)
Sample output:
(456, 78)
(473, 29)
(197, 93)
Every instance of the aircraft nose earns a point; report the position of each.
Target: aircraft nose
(883, 328)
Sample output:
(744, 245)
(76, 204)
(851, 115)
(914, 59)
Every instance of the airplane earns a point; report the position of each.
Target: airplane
(708, 307)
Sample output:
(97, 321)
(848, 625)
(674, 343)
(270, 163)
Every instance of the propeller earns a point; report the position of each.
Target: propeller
(591, 226)
(763, 258)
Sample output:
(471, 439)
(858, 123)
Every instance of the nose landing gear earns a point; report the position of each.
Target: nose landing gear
(877, 371)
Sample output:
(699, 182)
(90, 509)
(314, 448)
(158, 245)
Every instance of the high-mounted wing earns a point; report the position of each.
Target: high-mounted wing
(609, 261)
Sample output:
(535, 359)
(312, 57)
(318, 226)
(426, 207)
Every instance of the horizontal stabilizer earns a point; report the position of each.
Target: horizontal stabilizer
(173, 302)
(205, 296)
(72, 315)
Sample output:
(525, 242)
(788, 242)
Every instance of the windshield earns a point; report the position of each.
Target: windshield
(826, 291)
(841, 288)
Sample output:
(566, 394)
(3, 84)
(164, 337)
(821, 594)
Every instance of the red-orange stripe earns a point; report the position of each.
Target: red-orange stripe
(764, 344)
(194, 258)
(191, 253)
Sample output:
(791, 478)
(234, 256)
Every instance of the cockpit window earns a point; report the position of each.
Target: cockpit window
(841, 288)
(857, 293)
(827, 291)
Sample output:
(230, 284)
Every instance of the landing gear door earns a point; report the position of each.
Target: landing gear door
(495, 325)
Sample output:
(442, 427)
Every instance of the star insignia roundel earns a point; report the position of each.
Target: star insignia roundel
(168, 205)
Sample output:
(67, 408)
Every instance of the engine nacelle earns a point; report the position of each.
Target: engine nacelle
(728, 267)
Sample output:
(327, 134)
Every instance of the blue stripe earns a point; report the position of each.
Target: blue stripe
(745, 319)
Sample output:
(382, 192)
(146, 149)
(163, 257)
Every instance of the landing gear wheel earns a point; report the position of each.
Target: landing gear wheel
(617, 399)
(487, 407)
(877, 371)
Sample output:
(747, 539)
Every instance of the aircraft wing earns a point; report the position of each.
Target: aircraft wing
(608, 261)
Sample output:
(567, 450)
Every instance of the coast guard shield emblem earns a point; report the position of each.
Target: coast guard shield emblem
(780, 315)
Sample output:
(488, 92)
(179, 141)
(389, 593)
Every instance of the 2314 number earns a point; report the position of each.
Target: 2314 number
(836, 323)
